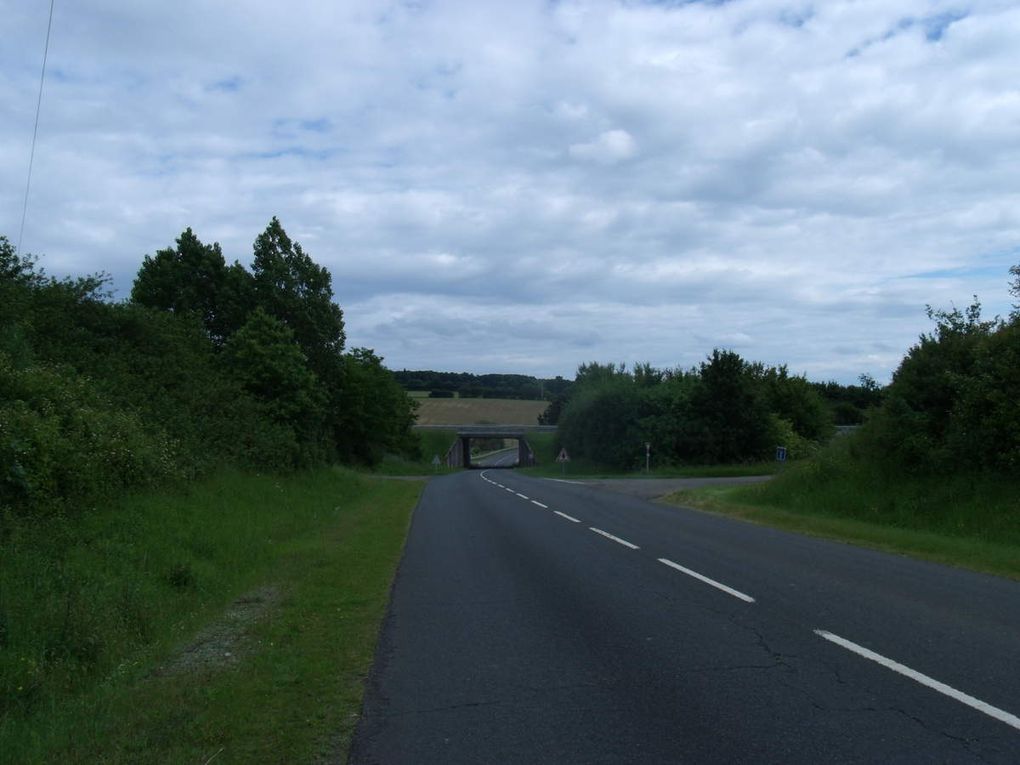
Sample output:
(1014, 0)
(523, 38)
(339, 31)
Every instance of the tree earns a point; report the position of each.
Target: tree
(193, 278)
(269, 364)
(793, 399)
(1014, 290)
(290, 286)
(732, 419)
(375, 415)
(600, 422)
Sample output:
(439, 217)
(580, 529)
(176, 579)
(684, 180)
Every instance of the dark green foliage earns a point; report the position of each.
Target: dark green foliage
(181, 576)
(600, 423)
(207, 366)
(194, 278)
(1014, 290)
(375, 415)
(553, 412)
(290, 286)
(952, 404)
(269, 365)
(730, 410)
(62, 442)
(848, 404)
(795, 400)
(725, 411)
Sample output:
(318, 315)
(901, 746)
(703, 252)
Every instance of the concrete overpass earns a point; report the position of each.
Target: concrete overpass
(459, 453)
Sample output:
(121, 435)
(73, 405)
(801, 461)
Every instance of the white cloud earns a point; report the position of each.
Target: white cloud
(609, 148)
(502, 186)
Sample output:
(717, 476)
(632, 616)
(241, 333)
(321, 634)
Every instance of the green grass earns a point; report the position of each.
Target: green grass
(92, 606)
(433, 443)
(584, 469)
(965, 520)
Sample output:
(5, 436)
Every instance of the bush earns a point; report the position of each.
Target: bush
(62, 444)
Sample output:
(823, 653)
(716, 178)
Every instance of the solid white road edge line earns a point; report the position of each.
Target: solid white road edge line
(935, 685)
(706, 580)
(544, 507)
(564, 480)
(607, 535)
(564, 515)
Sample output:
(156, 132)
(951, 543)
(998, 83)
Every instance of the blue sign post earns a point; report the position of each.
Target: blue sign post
(780, 454)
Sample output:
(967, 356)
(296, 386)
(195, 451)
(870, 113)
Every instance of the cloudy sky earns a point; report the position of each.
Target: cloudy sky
(523, 186)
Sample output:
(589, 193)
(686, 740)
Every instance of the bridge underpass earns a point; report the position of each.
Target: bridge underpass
(459, 453)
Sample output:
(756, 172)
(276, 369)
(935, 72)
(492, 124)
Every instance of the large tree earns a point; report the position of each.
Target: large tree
(194, 278)
(264, 357)
(292, 287)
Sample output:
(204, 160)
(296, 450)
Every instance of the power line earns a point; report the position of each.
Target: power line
(35, 130)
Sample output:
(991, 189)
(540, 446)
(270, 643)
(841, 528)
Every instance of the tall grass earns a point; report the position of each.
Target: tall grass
(842, 483)
(90, 604)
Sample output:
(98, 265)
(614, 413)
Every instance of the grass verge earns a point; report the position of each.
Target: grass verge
(434, 443)
(960, 521)
(582, 469)
(93, 607)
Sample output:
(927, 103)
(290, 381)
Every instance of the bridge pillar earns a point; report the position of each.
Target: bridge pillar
(455, 454)
(465, 450)
(525, 456)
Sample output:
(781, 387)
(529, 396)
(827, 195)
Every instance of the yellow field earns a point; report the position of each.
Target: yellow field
(479, 411)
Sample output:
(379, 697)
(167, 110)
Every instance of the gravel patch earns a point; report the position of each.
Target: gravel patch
(225, 642)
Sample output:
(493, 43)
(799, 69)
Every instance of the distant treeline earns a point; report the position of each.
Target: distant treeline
(725, 410)
(206, 365)
(953, 407)
(466, 385)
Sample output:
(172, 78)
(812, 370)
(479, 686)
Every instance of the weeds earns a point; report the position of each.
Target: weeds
(90, 605)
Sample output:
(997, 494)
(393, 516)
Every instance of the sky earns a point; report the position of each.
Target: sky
(525, 186)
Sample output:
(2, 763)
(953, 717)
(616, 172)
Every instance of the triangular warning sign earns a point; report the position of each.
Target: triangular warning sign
(563, 457)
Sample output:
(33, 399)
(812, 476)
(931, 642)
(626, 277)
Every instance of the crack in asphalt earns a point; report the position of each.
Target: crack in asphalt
(965, 742)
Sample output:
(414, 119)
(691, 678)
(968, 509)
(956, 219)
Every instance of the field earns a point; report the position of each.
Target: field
(479, 411)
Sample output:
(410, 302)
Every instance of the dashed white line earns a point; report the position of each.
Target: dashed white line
(564, 515)
(706, 580)
(507, 488)
(935, 685)
(544, 507)
(616, 539)
(520, 495)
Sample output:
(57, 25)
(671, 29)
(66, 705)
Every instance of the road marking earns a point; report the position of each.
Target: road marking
(564, 515)
(564, 480)
(520, 495)
(607, 535)
(706, 580)
(935, 685)
(544, 507)
(507, 488)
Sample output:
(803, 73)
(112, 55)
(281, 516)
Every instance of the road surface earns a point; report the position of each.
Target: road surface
(536, 621)
(502, 458)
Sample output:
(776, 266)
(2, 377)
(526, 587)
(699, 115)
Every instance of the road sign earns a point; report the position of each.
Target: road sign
(563, 456)
(780, 454)
(435, 462)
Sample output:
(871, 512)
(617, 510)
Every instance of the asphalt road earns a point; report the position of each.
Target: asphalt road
(535, 621)
(502, 458)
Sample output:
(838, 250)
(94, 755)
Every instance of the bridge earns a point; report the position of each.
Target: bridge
(459, 453)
